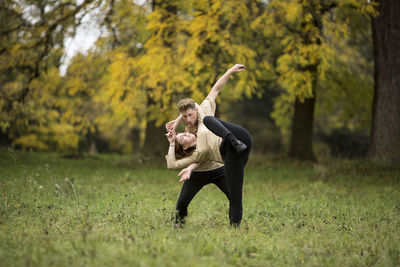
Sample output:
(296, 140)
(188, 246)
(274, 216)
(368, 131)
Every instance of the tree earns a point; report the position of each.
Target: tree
(161, 48)
(305, 28)
(186, 46)
(32, 36)
(192, 48)
(217, 37)
(78, 98)
(385, 128)
(121, 93)
(152, 54)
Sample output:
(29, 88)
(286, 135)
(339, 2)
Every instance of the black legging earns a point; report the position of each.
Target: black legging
(234, 162)
(193, 185)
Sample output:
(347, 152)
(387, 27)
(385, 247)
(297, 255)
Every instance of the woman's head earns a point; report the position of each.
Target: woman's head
(185, 144)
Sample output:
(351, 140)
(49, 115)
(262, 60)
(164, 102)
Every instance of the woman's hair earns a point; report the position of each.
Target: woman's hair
(185, 104)
(180, 152)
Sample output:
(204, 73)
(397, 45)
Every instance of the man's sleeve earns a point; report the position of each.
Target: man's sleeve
(208, 106)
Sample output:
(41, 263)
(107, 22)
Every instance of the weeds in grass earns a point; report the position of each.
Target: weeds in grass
(98, 212)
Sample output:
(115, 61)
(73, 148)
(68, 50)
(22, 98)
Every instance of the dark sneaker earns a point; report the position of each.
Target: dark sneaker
(179, 220)
(178, 225)
(235, 225)
(239, 146)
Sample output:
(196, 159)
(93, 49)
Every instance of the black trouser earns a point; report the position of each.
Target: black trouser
(234, 162)
(193, 185)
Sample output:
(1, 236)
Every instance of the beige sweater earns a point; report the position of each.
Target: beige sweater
(207, 148)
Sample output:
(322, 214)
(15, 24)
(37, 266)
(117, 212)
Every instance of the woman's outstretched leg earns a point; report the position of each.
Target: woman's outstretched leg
(224, 129)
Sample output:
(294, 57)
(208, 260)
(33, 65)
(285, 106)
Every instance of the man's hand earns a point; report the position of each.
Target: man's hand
(171, 126)
(237, 68)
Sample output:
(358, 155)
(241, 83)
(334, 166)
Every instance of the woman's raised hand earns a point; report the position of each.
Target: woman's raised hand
(171, 136)
(237, 68)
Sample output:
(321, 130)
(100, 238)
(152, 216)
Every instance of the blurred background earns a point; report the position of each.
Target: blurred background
(105, 76)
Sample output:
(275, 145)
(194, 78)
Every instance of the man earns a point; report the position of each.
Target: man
(206, 172)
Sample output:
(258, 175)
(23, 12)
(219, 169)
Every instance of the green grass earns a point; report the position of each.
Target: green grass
(114, 211)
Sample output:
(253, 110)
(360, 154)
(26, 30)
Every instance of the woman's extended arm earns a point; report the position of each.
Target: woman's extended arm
(222, 81)
(185, 173)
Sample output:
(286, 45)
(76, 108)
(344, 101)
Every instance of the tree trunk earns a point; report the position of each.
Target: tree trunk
(93, 148)
(4, 139)
(135, 137)
(155, 143)
(385, 129)
(303, 119)
(302, 129)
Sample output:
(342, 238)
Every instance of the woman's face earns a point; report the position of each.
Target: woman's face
(186, 139)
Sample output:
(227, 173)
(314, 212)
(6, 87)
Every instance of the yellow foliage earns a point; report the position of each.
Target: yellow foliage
(157, 58)
(31, 141)
(307, 52)
(293, 12)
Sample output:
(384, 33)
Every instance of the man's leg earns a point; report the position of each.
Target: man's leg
(234, 172)
(234, 161)
(219, 179)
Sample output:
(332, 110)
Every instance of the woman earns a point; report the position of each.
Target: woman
(224, 142)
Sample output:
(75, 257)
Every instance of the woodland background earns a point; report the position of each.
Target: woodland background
(323, 77)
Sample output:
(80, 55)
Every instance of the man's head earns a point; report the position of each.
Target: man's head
(187, 107)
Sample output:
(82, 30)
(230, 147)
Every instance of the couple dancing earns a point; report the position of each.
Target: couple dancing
(209, 151)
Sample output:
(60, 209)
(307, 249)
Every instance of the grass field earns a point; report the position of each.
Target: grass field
(113, 211)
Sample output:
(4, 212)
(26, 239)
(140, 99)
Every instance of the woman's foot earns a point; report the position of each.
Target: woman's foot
(235, 225)
(238, 145)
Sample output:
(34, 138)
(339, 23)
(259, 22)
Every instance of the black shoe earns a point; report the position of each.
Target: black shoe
(179, 220)
(235, 225)
(239, 146)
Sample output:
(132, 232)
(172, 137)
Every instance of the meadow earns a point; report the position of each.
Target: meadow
(113, 210)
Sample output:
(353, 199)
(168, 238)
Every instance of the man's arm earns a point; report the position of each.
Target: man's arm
(172, 125)
(222, 81)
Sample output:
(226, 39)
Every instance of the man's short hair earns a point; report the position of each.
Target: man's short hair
(185, 104)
